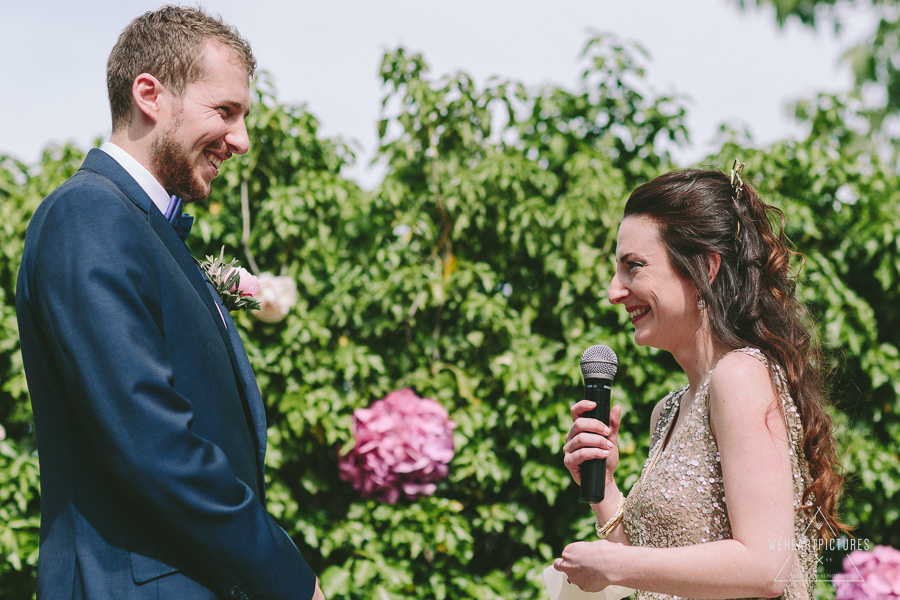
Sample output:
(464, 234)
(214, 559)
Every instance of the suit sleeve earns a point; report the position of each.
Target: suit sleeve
(98, 295)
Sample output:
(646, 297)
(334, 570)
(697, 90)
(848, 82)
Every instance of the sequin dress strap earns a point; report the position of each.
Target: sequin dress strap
(750, 351)
(667, 413)
(774, 370)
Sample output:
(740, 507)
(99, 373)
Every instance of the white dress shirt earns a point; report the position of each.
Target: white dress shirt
(144, 178)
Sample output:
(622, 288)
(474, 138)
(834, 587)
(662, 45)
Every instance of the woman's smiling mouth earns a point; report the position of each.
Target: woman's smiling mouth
(638, 312)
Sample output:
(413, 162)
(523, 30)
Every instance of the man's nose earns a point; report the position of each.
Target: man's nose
(237, 139)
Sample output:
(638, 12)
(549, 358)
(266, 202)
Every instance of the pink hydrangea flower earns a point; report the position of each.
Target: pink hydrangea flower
(879, 570)
(403, 446)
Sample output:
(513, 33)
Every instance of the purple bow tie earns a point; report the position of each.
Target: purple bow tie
(181, 222)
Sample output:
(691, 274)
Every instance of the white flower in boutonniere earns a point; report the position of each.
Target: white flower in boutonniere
(234, 284)
(277, 296)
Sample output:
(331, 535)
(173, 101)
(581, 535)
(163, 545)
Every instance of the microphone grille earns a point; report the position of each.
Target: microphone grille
(599, 361)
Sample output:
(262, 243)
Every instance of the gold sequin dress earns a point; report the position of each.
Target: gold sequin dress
(679, 499)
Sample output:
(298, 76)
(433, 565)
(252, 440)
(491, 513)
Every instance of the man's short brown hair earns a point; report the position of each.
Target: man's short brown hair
(168, 44)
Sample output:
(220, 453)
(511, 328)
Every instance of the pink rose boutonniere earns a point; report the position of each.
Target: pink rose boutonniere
(234, 284)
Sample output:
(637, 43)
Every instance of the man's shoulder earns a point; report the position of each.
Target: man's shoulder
(86, 205)
(99, 175)
(85, 182)
(86, 190)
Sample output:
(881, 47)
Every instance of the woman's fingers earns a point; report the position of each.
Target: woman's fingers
(574, 460)
(581, 407)
(586, 425)
(588, 440)
(589, 424)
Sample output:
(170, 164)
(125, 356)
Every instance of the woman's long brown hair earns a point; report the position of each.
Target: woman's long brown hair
(751, 301)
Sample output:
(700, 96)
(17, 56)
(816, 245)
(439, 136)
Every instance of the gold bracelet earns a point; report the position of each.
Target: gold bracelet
(604, 531)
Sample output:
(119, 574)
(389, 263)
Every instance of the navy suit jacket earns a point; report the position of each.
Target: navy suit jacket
(149, 421)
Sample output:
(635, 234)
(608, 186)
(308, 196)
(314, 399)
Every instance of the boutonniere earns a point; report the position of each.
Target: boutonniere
(234, 284)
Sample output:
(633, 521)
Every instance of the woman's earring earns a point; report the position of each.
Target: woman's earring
(702, 304)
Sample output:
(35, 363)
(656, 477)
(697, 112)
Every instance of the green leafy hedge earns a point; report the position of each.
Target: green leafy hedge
(476, 274)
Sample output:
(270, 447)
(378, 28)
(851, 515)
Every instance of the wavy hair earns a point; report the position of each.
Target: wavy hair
(751, 301)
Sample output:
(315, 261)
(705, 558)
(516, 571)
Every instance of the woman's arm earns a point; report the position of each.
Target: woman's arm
(756, 468)
(722, 569)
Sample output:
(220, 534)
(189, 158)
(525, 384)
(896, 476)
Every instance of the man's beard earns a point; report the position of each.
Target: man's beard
(172, 165)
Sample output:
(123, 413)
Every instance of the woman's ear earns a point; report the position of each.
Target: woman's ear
(713, 261)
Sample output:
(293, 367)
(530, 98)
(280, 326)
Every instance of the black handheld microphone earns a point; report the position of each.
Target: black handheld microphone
(598, 367)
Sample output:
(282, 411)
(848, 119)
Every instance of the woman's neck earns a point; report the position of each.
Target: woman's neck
(698, 357)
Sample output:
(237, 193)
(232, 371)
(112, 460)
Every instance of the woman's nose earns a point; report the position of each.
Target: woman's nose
(617, 292)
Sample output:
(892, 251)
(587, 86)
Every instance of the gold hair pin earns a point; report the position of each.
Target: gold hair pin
(737, 184)
(737, 181)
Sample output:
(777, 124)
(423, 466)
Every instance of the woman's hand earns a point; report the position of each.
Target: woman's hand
(584, 564)
(589, 439)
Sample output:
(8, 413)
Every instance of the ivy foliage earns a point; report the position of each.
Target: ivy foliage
(476, 274)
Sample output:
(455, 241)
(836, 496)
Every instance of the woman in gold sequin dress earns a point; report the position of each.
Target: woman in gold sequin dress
(742, 458)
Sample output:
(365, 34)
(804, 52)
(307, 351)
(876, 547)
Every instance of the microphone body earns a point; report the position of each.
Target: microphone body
(598, 366)
(593, 472)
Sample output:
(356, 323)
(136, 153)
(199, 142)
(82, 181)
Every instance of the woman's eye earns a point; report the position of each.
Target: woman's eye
(634, 265)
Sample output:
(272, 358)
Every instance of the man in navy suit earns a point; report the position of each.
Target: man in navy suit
(150, 425)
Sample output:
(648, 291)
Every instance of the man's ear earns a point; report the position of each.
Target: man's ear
(149, 96)
(714, 261)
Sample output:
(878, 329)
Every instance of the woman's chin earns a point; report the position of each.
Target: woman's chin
(639, 341)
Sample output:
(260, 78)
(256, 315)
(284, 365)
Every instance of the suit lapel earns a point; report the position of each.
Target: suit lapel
(227, 329)
(242, 368)
(102, 164)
